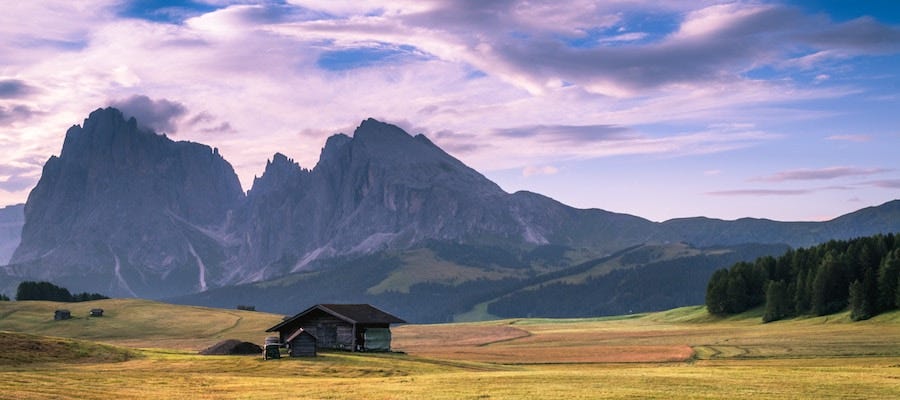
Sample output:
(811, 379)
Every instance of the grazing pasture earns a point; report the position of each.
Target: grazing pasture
(682, 353)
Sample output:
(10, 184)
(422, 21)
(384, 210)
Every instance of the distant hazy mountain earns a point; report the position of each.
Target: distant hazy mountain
(11, 220)
(383, 216)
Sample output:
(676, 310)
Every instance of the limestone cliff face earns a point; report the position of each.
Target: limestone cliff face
(128, 212)
(11, 220)
(380, 189)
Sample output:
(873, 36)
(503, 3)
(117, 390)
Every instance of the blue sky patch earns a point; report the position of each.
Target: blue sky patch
(636, 28)
(887, 11)
(166, 11)
(347, 59)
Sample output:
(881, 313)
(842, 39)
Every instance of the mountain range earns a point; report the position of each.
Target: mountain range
(383, 217)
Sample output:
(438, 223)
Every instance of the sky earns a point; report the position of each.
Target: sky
(787, 110)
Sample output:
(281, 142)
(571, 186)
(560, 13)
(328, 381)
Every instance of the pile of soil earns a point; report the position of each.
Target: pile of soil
(232, 347)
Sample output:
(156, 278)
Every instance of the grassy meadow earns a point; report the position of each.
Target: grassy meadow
(143, 349)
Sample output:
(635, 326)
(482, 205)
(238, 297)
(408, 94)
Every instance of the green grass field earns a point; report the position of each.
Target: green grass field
(143, 349)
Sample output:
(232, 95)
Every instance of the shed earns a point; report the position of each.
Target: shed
(96, 312)
(302, 344)
(354, 327)
(59, 315)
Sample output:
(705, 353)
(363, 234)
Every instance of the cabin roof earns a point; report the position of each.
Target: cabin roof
(298, 333)
(351, 313)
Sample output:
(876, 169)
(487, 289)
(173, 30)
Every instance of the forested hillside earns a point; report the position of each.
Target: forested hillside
(862, 273)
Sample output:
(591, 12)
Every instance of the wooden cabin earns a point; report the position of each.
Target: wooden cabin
(353, 327)
(96, 312)
(60, 315)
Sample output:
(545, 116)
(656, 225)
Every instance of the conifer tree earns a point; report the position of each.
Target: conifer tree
(716, 293)
(778, 303)
(888, 276)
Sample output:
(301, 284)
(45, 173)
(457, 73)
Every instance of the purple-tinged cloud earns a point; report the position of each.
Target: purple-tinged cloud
(859, 35)
(206, 123)
(776, 192)
(850, 138)
(819, 174)
(762, 192)
(9, 115)
(15, 89)
(158, 115)
(711, 44)
(14, 178)
(568, 133)
(223, 127)
(886, 183)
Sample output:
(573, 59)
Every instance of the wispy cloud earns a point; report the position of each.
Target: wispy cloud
(885, 183)
(820, 174)
(775, 192)
(15, 88)
(532, 170)
(850, 138)
(568, 133)
(16, 113)
(761, 192)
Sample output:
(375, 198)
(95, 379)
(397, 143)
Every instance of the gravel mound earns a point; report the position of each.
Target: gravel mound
(232, 347)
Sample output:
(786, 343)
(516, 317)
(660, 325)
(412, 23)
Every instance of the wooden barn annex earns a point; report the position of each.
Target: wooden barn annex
(353, 327)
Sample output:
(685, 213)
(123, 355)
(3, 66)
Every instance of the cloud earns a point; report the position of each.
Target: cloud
(14, 89)
(861, 35)
(568, 133)
(885, 183)
(539, 170)
(820, 174)
(775, 192)
(158, 115)
(19, 175)
(850, 138)
(16, 113)
(761, 192)
(207, 123)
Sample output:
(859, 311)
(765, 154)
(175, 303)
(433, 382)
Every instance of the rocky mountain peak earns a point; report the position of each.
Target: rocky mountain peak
(126, 206)
(98, 133)
(333, 147)
(280, 171)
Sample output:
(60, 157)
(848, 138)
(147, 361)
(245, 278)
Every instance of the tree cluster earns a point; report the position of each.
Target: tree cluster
(30, 290)
(862, 273)
(3, 297)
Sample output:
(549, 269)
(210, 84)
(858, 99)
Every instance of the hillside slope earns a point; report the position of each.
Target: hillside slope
(138, 323)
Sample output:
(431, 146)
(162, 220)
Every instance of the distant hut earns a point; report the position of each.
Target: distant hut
(60, 315)
(353, 327)
(302, 344)
(96, 312)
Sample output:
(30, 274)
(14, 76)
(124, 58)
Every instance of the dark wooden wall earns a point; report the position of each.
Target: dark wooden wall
(331, 332)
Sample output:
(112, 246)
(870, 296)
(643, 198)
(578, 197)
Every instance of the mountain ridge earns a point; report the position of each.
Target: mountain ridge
(128, 212)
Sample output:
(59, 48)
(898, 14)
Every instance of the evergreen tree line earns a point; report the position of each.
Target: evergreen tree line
(3, 297)
(30, 290)
(862, 273)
